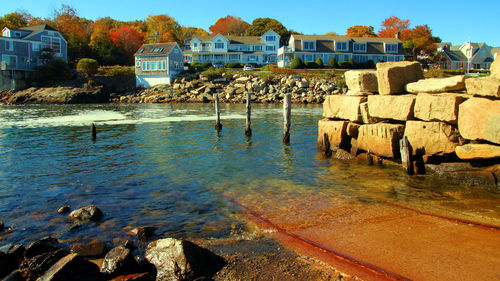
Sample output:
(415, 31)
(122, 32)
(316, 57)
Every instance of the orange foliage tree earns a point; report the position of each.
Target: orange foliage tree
(127, 38)
(392, 25)
(229, 26)
(162, 28)
(76, 30)
(361, 31)
(419, 41)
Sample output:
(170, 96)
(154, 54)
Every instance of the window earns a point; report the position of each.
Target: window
(36, 47)
(257, 48)
(154, 65)
(270, 38)
(391, 48)
(252, 58)
(234, 57)
(308, 45)
(195, 45)
(219, 57)
(51, 43)
(11, 60)
(346, 57)
(9, 46)
(270, 48)
(219, 45)
(17, 34)
(359, 47)
(144, 65)
(360, 58)
(138, 63)
(340, 46)
(308, 57)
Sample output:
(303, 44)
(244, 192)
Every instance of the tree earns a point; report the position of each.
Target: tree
(392, 25)
(188, 32)
(320, 63)
(87, 66)
(128, 39)
(76, 30)
(361, 31)
(419, 41)
(229, 26)
(331, 33)
(296, 63)
(333, 63)
(162, 28)
(262, 25)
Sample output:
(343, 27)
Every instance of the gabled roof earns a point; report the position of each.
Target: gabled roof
(345, 38)
(249, 40)
(37, 28)
(155, 49)
(325, 43)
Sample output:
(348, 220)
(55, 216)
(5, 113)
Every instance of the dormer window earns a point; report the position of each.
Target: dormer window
(359, 47)
(17, 34)
(341, 46)
(391, 48)
(308, 45)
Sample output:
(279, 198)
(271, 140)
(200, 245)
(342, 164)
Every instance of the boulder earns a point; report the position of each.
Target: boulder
(72, 267)
(342, 107)
(42, 246)
(15, 275)
(381, 139)
(495, 68)
(36, 266)
(391, 107)
(442, 107)
(477, 151)
(365, 114)
(479, 119)
(92, 249)
(119, 261)
(434, 137)
(353, 129)
(437, 85)
(88, 213)
(7, 264)
(336, 131)
(145, 276)
(361, 81)
(144, 233)
(64, 209)
(242, 80)
(483, 86)
(392, 77)
(181, 260)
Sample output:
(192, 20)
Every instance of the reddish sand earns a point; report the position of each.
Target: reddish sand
(379, 241)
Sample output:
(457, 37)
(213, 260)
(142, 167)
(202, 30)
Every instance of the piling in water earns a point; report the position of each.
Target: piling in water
(325, 145)
(218, 125)
(248, 130)
(93, 131)
(287, 110)
(406, 152)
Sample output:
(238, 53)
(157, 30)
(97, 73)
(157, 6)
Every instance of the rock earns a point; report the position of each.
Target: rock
(495, 68)
(462, 172)
(181, 260)
(483, 86)
(391, 107)
(15, 251)
(144, 233)
(393, 76)
(14, 276)
(7, 264)
(1, 226)
(436, 138)
(479, 119)
(88, 213)
(342, 107)
(36, 266)
(119, 261)
(381, 139)
(442, 107)
(302, 84)
(72, 267)
(361, 81)
(242, 80)
(42, 246)
(64, 209)
(341, 154)
(478, 151)
(146, 276)
(352, 129)
(437, 85)
(336, 131)
(365, 114)
(92, 249)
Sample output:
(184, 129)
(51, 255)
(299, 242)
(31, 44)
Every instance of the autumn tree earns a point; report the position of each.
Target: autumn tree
(103, 48)
(76, 30)
(188, 32)
(162, 28)
(127, 38)
(361, 31)
(419, 41)
(331, 33)
(15, 20)
(392, 25)
(229, 26)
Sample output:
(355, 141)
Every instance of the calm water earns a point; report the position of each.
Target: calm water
(165, 165)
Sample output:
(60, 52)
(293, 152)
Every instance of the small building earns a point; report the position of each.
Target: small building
(325, 47)
(220, 49)
(479, 56)
(23, 49)
(157, 64)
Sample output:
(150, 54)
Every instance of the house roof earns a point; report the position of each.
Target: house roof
(37, 28)
(325, 43)
(155, 49)
(249, 40)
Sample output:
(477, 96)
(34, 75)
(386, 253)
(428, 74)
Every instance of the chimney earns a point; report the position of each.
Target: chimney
(397, 35)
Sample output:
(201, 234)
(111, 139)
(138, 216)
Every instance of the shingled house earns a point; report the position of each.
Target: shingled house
(479, 55)
(361, 49)
(157, 64)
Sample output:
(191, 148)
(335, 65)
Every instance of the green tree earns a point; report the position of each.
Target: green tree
(261, 25)
(319, 62)
(333, 63)
(296, 63)
(87, 66)
(15, 20)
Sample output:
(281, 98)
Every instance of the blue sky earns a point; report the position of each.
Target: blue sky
(453, 21)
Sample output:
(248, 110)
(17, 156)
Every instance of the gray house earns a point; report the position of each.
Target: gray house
(23, 49)
(157, 64)
(479, 55)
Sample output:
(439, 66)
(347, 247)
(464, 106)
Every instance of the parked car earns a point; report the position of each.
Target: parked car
(218, 65)
(247, 67)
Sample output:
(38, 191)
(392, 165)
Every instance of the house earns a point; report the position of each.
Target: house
(220, 49)
(495, 51)
(157, 64)
(361, 49)
(23, 49)
(478, 55)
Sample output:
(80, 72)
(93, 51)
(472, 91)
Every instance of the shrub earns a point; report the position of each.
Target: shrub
(333, 63)
(352, 63)
(268, 67)
(296, 63)
(344, 65)
(319, 62)
(268, 77)
(234, 64)
(370, 64)
(206, 65)
(311, 64)
(53, 70)
(212, 73)
(116, 70)
(87, 66)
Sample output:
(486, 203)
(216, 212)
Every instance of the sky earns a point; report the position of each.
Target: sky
(453, 21)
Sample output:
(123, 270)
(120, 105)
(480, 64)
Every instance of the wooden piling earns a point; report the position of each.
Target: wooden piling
(325, 145)
(287, 112)
(218, 125)
(93, 131)
(248, 130)
(406, 152)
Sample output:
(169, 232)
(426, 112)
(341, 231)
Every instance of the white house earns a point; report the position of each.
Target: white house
(479, 55)
(220, 49)
(157, 64)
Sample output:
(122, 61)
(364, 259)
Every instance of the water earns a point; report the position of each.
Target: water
(165, 165)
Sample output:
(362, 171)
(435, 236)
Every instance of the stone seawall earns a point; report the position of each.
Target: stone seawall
(445, 120)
